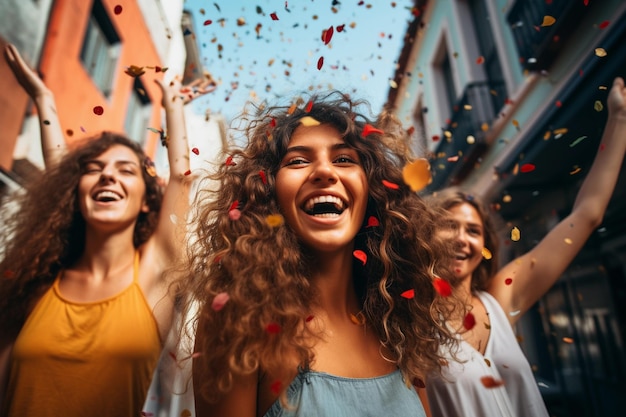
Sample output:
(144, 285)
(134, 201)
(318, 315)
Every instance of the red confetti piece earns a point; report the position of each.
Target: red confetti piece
(276, 387)
(360, 255)
(469, 321)
(368, 129)
(340, 28)
(207, 22)
(527, 168)
(273, 328)
(309, 106)
(229, 161)
(327, 35)
(274, 16)
(408, 294)
(273, 122)
(491, 382)
(309, 318)
(220, 301)
(195, 150)
(234, 205)
(320, 63)
(435, 138)
(480, 60)
(604, 24)
(117, 9)
(390, 185)
(558, 103)
(263, 177)
(187, 173)
(508, 281)
(98, 110)
(372, 222)
(442, 287)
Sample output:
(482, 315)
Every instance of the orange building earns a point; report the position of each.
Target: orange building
(88, 47)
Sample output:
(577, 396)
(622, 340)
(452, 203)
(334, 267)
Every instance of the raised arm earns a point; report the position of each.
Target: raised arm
(535, 272)
(176, 197)
(52, 142)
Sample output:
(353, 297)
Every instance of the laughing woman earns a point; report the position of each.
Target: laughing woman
(83, 303)
(313, 265)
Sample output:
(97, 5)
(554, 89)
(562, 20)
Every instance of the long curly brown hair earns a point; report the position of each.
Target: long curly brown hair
(47, 233)
(265, 271)
(453, 196)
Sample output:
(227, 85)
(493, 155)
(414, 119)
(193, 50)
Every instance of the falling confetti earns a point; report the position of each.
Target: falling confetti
(604, 24)
(195, 150)
(600, 52)
(568, 240)
(508, 281)
(527, 168)
(327, 35)
(219, 301)
(514, 313)
(391, 185)
(490, 382)
(577, 141)
(117, 9)
(98, 110)
(372, 222)
(320, 63)
(360, 255)
(597, 106)
(368, 129)
(568, 340)
(274, 220)
(469, 321)
(486, 253)
(515, 234)
(548, 21)
(408, 294)
(442, 287)
(308, 121)
(274, 16)
(263, 177)
(417, 174)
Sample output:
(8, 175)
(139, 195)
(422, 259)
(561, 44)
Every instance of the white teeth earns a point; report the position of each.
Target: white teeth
(106, 196)
(324, 199)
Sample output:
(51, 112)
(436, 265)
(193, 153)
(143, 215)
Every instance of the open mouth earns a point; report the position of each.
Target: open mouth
(461, 256)
(324, 206)
(106, 196)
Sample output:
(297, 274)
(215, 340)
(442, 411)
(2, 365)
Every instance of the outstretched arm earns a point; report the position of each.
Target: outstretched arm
(52, 141)
(535, 272)
(176, 198)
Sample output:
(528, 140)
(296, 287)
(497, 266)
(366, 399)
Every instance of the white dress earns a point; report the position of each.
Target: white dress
(461, 393)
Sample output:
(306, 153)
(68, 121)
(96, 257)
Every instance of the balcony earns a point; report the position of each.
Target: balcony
(538, 45)
(463, 142)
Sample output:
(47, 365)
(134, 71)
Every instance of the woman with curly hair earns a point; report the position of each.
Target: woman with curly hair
(83, 304)
(491, 376)
(312, 268)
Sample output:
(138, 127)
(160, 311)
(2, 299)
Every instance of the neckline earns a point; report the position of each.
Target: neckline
(346, 378)
(57, 290)
(488, 342)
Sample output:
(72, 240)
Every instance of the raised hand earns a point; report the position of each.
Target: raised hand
(28, 79)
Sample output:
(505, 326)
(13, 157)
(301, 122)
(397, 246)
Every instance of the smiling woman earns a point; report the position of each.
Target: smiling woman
(84, 304)
(320, 313)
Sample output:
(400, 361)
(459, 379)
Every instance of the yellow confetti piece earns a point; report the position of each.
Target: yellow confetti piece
(507, 199)
(488, 362)
(486, 253)
(484, 127)
(597, 106)
(575, 171)
(470, 139)
(547, 135)
(601, 52)
(417, 174)
(393, 84)
(515, 123)
(292, 108)
(308, 121)
(515, 234)
(185, 413)
(467, 107)
(560, 132)
(568, 340)
(548, 21)
(568, 240)
(274, 220)
(515, 169)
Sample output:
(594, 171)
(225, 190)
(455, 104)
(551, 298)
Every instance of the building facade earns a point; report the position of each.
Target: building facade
(507, 98)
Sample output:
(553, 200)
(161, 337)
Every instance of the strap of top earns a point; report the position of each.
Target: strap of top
(136, 267)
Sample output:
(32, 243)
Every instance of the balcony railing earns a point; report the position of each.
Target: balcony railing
(538, 44)
(463, 141)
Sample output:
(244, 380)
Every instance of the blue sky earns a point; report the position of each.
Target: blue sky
(257, 57)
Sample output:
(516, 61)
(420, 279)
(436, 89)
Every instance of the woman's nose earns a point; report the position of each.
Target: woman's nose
(324, 171)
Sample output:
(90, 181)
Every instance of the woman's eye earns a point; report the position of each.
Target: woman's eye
(345, 159)
(295, 161)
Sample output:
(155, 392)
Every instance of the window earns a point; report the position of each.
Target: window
(101, 48)
(138, 113)
(487, 47)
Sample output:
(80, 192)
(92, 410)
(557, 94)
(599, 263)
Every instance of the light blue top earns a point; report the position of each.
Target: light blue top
(318, 394)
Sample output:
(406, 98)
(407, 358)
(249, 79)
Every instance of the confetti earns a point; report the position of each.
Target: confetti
(320, 63)
(508, 281)
(185, 413)
(417, 174)
(568, 240)
(486, 253)
(527, 168)
(308, 121)
(480, 60)
(360, 255)
(577, 141)
(391, 185)
(273, 328)
(368, 129)
(515, 234)
(219, 301)
(274, 16)
(491, 382)
(234, 214)
(568, 340)
(514, 313)
(117, 9)
(372, 222)
(442, 287)
(98, 110)
(327, 35)
(408, 294)
(469, 321)
(488, 362)
(195, 150)
(604, 24)
(600, 52)
(229, 161)
(207, 22)
(309, 318)
(276, 387)
(597, 106)
(134, 71)
(548, 21)
(274, 220)
(263, 177)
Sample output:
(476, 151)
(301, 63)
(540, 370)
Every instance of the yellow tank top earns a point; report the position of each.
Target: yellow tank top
(84, 359)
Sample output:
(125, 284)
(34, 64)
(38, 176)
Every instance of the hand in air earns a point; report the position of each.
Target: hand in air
(188, 92)
(617, 98)
(28, 79)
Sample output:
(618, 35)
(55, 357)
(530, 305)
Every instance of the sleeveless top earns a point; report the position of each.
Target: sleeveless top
(315, 394)
(461, 393)
(84, 359)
